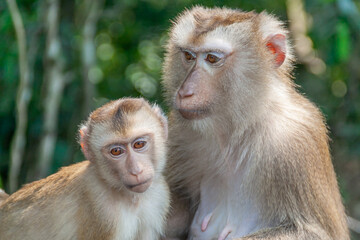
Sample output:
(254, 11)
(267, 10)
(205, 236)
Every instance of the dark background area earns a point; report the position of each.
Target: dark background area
(80, 54)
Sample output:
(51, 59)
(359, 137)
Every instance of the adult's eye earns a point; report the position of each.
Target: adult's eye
(211, 58)
(189, 56)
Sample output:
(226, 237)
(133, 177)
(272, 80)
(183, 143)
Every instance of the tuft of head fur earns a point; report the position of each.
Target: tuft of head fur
(192, 26)
(118, 113)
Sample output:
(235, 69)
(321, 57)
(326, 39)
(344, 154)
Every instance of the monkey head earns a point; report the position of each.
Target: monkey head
(125, 139)
(220, 60)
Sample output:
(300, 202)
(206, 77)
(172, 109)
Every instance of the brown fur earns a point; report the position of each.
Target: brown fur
(90, 200)
(208, 21)
(116, 111)
(260, 163)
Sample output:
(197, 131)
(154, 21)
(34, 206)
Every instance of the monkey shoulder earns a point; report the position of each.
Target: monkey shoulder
(45, 207)
(295, 129)
(41, 191)
(294, 144)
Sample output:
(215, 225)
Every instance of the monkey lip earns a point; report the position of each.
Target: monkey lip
(192, 114)
(140, 187)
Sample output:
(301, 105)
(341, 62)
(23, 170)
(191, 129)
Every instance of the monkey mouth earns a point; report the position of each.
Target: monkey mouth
(139, 187)
(192, 114)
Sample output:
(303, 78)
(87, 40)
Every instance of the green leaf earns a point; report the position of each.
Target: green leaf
(343, 41)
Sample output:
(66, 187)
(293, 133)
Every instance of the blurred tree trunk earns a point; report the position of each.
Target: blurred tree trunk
(354, 224)
(55, 83)
(87, 15)
(93, 10)
(22, 101)
(303, 44)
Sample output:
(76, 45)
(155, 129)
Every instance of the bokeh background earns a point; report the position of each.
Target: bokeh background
(59, 60)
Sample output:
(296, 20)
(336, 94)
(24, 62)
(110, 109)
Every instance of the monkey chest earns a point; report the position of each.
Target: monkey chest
(128, 224)
(145, 221)
(224, 206)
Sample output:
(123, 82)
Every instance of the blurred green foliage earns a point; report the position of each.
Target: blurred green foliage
(129, 49)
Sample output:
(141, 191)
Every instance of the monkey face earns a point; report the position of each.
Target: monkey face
(130, 163)
(120, 140)
(218, 62)
(196, 95)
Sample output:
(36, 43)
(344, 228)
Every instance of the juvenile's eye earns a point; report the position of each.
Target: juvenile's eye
(139, 144)
(116, 151)
(211, 58)
(189, 56)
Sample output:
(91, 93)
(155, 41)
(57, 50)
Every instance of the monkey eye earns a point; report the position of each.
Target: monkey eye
(213, 58)
(116, 151)
(139, 144)
(189, 56)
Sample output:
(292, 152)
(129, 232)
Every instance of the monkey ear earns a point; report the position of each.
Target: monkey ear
(276, 44)
(83, 131)
(162, 118)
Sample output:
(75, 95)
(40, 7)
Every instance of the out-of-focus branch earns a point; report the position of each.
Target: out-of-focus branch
(88, 57)
(303, 44)
(55, 81)
(354, 224)
(22, 101)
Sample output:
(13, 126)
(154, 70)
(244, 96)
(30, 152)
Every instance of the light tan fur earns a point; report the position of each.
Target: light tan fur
(257, 158)
(88, 200)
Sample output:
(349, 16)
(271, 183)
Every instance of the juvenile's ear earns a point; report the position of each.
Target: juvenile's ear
(162, 118)
(83, 135)
(277, 46)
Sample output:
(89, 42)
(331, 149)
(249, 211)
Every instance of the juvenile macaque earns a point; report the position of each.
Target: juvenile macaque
(119, 193)
(247, 151)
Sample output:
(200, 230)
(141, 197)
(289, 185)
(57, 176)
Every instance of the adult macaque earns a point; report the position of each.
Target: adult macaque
(246, 149)
(120, 193)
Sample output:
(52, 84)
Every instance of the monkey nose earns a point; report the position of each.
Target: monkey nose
(136, 171)
(185, 92)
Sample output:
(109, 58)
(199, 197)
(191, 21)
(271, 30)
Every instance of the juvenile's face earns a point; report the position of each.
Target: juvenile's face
(126, 141)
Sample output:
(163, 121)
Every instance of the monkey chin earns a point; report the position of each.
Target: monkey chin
(140, 187)
(194, 114)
